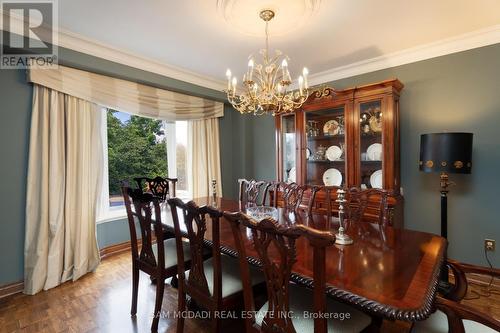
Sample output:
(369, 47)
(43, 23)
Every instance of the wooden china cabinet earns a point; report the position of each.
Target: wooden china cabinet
(345, 138)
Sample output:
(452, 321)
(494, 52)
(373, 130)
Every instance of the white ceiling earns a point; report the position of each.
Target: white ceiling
(196, 35)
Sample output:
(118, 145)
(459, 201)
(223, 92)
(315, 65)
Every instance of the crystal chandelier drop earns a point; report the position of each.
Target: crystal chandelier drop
(266, 85)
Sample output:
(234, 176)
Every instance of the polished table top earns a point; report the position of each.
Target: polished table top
(387, 271)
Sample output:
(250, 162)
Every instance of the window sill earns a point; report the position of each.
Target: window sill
(113, 215)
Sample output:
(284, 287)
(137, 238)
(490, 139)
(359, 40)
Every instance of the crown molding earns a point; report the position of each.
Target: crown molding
(79, 43)
(464, 42)
(467, 41)
(82, 44)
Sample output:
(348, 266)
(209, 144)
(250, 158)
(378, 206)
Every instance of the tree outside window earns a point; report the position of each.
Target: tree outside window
(136, 148)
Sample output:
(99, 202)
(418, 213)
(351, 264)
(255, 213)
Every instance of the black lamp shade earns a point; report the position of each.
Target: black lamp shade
(446, 152)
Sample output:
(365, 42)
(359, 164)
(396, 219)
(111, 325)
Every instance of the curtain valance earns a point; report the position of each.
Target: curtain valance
(127, 96)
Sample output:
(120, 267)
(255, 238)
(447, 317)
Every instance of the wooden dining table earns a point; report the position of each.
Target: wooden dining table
(387, 272)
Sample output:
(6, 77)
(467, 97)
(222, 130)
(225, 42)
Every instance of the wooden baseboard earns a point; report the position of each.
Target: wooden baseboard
(105, 252)
(11, 289)
(483, 280)
(111, 250)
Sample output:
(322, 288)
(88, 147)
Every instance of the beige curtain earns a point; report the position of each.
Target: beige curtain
(127, 96)
(64, 176)
(203, 157)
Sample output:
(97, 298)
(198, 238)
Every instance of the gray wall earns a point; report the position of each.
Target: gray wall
(15, 117)
(455, 92)
(15, 111)
(458, 92)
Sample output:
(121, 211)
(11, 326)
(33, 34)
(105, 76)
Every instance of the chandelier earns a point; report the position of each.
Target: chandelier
(266, 85)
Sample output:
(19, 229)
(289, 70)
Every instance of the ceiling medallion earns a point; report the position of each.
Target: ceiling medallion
(266, 85)
(293, 15)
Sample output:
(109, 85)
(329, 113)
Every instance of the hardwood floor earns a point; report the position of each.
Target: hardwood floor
(100, 302)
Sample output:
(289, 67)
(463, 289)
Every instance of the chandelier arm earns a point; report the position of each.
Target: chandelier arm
(275, 76)
(262, 82)
(249, 92)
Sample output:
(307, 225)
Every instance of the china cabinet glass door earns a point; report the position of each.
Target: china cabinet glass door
(370, 148)
(288, 139)
(325, 152)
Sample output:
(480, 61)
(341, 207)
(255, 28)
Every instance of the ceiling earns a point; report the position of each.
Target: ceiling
(208, 36)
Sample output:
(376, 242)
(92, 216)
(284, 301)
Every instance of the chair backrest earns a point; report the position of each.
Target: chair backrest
(456, 313)
(277, 262)
(252, 190)
(195, 223)
(158, 186)
(322, 200)
(140, 209)
(288, 195)
(359, 202)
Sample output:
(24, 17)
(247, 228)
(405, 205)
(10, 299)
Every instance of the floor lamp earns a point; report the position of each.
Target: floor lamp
(445, 153)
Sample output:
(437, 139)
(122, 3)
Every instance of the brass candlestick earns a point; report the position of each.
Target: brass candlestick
(341, 237)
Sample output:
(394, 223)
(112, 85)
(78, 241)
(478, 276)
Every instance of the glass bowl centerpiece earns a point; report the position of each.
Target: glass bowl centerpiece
(260, 213)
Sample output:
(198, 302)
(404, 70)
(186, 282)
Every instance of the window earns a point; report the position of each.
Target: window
(140, 147)
(181, 155)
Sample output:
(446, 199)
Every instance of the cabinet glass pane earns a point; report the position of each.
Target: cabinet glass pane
(325, 133)
(288, 142)
(371, 144)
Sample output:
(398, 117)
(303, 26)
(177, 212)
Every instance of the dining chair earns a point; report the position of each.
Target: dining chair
(288, 195)
(453, 316)
(157, 257)
(275, 245)
(214, 284)
(323, 200)
(251, 190)
(163, 188)
(363, 202)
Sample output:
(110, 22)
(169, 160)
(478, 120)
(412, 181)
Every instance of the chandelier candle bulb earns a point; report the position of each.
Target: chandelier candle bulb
(250, 69)
(284, 67)
(305, 72)
(228, 75)
(301, 85)
(279, 87)
(235, 82)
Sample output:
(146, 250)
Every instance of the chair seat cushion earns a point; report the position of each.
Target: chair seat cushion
(344, 318)
(438, 323)
(171, 252)
(231, 278)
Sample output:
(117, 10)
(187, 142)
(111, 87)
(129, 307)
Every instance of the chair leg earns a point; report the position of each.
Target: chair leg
(375, 326)
(215, 323)
(135, 290)
(181, 307)
(174, 282)
(160, 287)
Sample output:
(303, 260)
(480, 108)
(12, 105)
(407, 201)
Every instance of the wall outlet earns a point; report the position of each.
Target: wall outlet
(489, 244)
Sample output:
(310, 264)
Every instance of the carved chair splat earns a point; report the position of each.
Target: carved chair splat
(288, 195)
(163, 188)
(360, 200)
(251, 190)
(275, 245)
(208, 280)
(157, 257)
